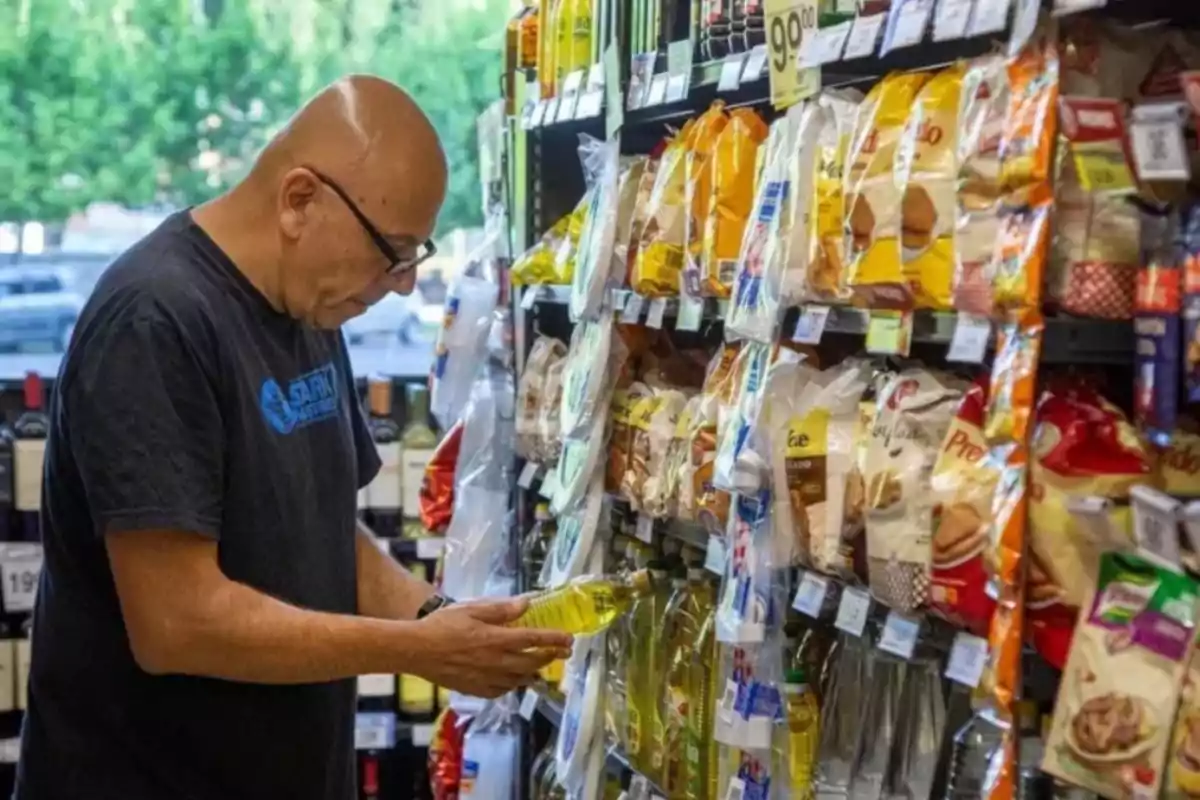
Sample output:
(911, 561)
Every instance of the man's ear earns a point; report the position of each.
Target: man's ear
(297, 192)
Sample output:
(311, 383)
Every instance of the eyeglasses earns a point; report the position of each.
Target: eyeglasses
(396, 263)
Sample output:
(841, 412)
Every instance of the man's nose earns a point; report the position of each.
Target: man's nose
(401, 282)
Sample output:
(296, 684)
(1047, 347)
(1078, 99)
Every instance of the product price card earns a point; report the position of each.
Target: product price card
(632, 313)
(736, 790)
(640, 73)
(529, 702)
(899, 635)
(549, 484)
(691, 313)
(1159, 151)
(889, 333)
(756, 63)
(788, 23)
(613, 101)
(657, 95)
(374, 730)
(551, 111)
(864, 36)
(376, 685)
(810, 326)
(715, 555)
(853, 610)
(1156, 525)
(656, 312)
(20, 568)
(422, 735)
(679, 67)
(528, 474)
(991, 16)
(572, 85)
(645, 528)
(825, 46)
(951, 19)
(912, 19)
(538, 115)
(1063, 7)
(810, 596)
(731, 72)
(968, 659)
(970, 340)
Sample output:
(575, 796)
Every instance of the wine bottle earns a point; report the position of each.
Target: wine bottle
(383, 493)
(29, 453)
(6, 483)
(419, 442)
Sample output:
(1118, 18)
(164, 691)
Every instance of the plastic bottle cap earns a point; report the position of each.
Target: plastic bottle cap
(796, 676)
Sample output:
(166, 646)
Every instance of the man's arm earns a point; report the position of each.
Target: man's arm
(386, 590)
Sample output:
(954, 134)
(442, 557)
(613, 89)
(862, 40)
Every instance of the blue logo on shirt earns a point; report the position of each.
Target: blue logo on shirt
(309, 398)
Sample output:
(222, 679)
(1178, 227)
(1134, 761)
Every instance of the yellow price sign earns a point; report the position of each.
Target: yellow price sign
(787, 23)
(1103, 169)
(889, 333)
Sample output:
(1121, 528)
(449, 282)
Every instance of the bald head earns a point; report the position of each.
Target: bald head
(346, 191)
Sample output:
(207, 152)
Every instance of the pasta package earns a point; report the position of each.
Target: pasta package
(717, 399)
(913, 413)
(1030, 126)
(734, 167)
(659, 260)
(531, 392)
(629, 235)
(1082, 446)
(963, 485)
(927, 168)
(873, 200)
(699, 191)
(983, 102)
(825, 278)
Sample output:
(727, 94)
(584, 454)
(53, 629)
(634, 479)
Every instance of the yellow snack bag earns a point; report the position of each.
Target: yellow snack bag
(927, 169)
(699, 190)
(873, 217)
(660, 250)
(826, 272)
(734, 170)
(537, 264)
(568, 246)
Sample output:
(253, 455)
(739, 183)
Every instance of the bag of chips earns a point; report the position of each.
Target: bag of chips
(734, 167)
(699, 192)
(825, 265)
(531, 392)
(659, 259)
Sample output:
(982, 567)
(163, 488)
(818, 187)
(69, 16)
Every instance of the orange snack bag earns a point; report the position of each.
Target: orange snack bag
(699, 190)
(1028, 142)
(734, 166)
(659, 259)
(873, 200)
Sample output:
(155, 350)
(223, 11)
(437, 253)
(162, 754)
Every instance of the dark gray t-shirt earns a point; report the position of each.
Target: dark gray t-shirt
(187, 403)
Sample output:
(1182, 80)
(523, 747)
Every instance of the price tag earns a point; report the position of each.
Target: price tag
(20, 568)
(528, 474)
(529, 702)
(374, 730)
(714, 555)
(570, 95)
(430, 547)
(1156, 525)
(677, 87)
(590, 104)
(1159, 152)
(810, 597)
(537, 115)
(549, 484)
(968, 658)
(810, 327)
(889, 333)
(853, 610)
(639, 788)
(787, 24)
(632, 312)
(909, 28)
(613, 101)
(899, 635)
(951, 19)
(657, 94)
(825, 46)
(756, 62)
(530, 298)
(991, 16)
(10, 750)
(691, 313)
(1064, 7)
(1095, 131)
(422, 735)
(731, 72)
(645, 528)
(595, 79)
(736, 790)
(679, 67)
(658, 310)
(640, 73)
(376, 685)
(970, 340)
(864, 36)
(551, 111)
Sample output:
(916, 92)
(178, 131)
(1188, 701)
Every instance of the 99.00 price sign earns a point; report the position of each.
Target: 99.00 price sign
(788, 22)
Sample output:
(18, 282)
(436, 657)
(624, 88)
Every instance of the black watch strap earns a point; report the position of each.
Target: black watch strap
(431, 605)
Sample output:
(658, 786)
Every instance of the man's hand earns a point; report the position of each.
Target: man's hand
(466, 647)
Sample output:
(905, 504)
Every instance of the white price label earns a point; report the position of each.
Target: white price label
(1156, 525)
(658, 90)
(640, 74)
(20, 568)
(810, 596)
(549, 484)
(528, 474)
(570, 96)
(731, 72)
(551, 111)
(911, 21)
(714, 555)
(990, 16)
(726, 710)
(374, 731)
(645, 528)
(899, 635)
(422, 735)
(430, 547)
(756, 62)
(853, 610)
(1159, 151)
(590, 104)
(658, 310)
(1023, 26)
(951, 19)
(632, 312)
(1063, 7)
(970, 340)
(529, 702)
(968, 658)
(677, 87)
(639, 788)
(691, 313)
(736, 790)
(824, 47)
(864, 36)
(537, 115)
(530, 298)
(376, 685)
(10, 750)
(810, 327)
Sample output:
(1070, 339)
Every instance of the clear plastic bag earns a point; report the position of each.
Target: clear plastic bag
(461, 345)
(593, 264)
(738, 468)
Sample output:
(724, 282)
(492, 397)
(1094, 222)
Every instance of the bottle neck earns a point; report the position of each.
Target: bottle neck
(418, 405)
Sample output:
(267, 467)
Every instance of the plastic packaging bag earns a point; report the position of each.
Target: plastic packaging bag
(734, 171)
(490, 754)
(461, 345)
(659, 257)
(593, 266)
(531, 392)
(698, 193)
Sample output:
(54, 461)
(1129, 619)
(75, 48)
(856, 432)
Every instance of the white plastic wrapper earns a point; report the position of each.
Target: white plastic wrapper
(738, 467)
(595, 353)
(746, 607)
(800, 228)
(575, 537)
(594, 263)
(758, 280)
(578, 465)
(583, 714)
(461, 345)
(491, 756)
(531, 393)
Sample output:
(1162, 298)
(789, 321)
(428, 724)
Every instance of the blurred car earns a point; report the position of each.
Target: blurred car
(394, 317)
(37, 305)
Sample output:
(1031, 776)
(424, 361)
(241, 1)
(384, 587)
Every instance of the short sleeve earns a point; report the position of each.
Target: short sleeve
(143, 423)
(364, 445)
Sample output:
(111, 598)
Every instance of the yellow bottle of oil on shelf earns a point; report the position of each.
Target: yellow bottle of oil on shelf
(804, 718)
(644, 674)
(689, 608)
(700, 753)
(585, 606)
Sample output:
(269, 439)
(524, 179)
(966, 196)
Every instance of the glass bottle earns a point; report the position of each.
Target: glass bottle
(29, 455)
(384, 492)
(419, 441)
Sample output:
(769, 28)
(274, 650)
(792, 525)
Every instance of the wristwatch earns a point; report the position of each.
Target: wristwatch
(432, 604)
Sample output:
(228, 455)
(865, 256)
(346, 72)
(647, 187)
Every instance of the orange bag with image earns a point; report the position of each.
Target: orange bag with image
(734, 165)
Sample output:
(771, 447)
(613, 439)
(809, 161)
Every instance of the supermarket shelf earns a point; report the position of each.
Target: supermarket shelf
(426, 548)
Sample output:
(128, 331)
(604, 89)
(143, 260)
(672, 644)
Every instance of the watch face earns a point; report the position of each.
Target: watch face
(431, 605)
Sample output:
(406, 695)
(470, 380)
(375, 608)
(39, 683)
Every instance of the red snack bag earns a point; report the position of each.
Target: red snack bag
(1082, 446)
(445, 756)
(964, 483)
(437, 487)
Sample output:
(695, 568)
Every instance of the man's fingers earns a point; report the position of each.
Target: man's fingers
(498, 612)
(538, 639)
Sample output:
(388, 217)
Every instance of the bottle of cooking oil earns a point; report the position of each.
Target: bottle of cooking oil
(536, 547)
(700, 748)
(689, 606)
(804, 715)
(643, 677)
(587, 605)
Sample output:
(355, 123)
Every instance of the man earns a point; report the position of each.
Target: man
(207, 594)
